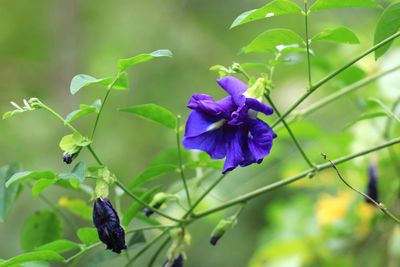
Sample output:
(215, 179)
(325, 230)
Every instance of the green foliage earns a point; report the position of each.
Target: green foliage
(31, 257)
(78, 173)
(329, 4)
(272, 9)
(83, 111)
(154, 113)
(124, 64)
(83, 80)
(269, 40)
(72, 143)
(27, 107)
(367, 116)
(338, 35)
(8, 194)
(59, 246)
(88, 235)
(152, 173)
(22, 176)
(41, 228)
(41, 185)
(77, 206)
(388, 24)
(136, 240)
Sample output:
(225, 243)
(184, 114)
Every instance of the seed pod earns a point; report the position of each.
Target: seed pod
(109, 229)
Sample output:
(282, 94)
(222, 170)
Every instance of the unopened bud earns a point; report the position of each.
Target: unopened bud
(221, 228)
(372, 187)
(177, 262)
(68, 158)
(157, 201)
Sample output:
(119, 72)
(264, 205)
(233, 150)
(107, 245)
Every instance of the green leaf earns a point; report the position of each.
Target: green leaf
(329, 4)
(123, 64)
(41, 185)
(272, 9)
(388, 24)
(270, 39)
(338, 35)
(83, 110)
(131, 212)
(21, 176)
(88, 235)
(32, 256)
(386, 109)
(78, 173)
(152, 173)
(41, 228)
(122, 82)
(73, 142)
(367, 116)
(154, 113)
(137, 239)
(59, 246)
(8, 194)
(77, 206)
(83, 80)
(351, 75)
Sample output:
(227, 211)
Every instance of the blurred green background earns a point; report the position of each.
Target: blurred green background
(44, 43)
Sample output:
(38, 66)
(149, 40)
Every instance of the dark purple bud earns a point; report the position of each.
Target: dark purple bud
(148, 212)
(214, 239)
(106, 220)
(68, 158)
(372, 187)
(178, 262)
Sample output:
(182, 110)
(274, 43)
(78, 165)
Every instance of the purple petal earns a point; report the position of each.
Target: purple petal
(211, 142)
(256, 105)
(234, 149)
(199, 123)
(235, 88)
(204, 103)
(260, 138)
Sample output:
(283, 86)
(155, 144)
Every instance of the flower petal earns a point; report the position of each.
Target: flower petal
(234, 149)
(256, 105)
(199, 123)
(204, 103)
(260, 138)
(212, 142)
(235, 88)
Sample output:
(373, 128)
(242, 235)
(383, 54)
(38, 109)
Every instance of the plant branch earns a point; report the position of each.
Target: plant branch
(308, 173)
(182, 173)
(379, 205)
(307, 44)
(314, 87)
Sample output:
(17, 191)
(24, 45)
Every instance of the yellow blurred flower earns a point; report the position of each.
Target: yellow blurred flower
(332, 208)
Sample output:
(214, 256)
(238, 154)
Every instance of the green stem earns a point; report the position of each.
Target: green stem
(58, 116)
(100, 111)
(145, 248)
(307, 44)
(178, 144)
(95, 155)
(127, 191)
(307, 173)
(151, 227)
(155, 256)
(205, 193)
(296, 142)
(379, 205)
(83, 251)
(314, 87)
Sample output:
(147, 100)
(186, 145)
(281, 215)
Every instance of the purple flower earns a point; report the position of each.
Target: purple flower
(106, 220)
(229, 128)
(177, 262)
(372, 187)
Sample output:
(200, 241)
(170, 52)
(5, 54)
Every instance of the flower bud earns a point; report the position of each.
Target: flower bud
(157, 201)
(109, 229)
(177, 262)
(220, 229)
(68, 158)
(372, 187)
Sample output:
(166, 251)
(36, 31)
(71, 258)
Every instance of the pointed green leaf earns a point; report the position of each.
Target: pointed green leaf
(367, 116)
(78, 173)
(32, 256)
(8, 194)
(123, 64)
(272, 9)
(269, 40)
(21, 176)
(59, 246)
(154, 113)
(77, 206)
(338, 35)
(41, 185)
(88, 235)
(385, 108)
(132, 211)
(388, 24)
(73, 142)
(329, 4)
(83, 80)
(83, 110)
(152, 173)
(122, 82)
(41, 228)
